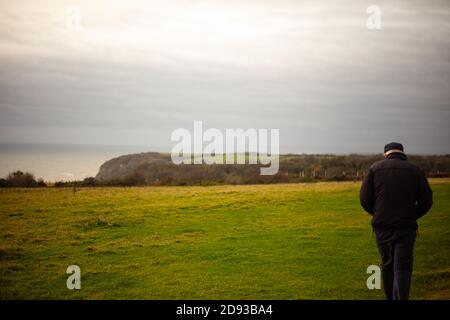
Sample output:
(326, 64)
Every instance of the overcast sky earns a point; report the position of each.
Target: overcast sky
(133, 71)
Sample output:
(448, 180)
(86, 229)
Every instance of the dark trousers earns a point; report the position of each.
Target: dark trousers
(396, 248)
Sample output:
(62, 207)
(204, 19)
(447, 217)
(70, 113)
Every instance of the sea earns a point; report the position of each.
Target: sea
(58, 162)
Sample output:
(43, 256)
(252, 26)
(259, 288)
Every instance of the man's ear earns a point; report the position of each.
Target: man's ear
(385, 155)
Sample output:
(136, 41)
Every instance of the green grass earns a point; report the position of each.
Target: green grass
(296, 241)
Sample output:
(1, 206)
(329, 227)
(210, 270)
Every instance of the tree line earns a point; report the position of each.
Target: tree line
(293, 169)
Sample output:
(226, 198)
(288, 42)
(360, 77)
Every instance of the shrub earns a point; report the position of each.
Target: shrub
(19, 179)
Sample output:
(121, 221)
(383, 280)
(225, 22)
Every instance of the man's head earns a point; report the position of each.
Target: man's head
(393, 147)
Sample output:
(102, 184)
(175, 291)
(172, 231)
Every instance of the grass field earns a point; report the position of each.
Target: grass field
(296, 241)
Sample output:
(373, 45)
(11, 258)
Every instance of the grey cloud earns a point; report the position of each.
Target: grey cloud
(329, 88)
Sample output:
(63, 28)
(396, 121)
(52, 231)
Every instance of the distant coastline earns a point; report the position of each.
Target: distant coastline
(136, 165)
(59, 162)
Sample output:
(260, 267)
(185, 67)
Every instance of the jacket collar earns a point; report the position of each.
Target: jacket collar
(397, 155)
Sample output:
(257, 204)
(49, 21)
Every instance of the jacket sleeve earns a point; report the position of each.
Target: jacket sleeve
(366, 194)
(425, 196)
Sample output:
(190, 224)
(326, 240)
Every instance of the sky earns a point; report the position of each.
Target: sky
(131, 72)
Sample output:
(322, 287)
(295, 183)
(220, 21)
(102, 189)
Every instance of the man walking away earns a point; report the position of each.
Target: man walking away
(396, 193)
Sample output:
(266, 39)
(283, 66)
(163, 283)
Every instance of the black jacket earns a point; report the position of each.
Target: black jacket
(396, 193)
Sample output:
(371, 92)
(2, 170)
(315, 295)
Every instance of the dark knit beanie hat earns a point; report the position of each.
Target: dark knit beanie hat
(393, 146)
